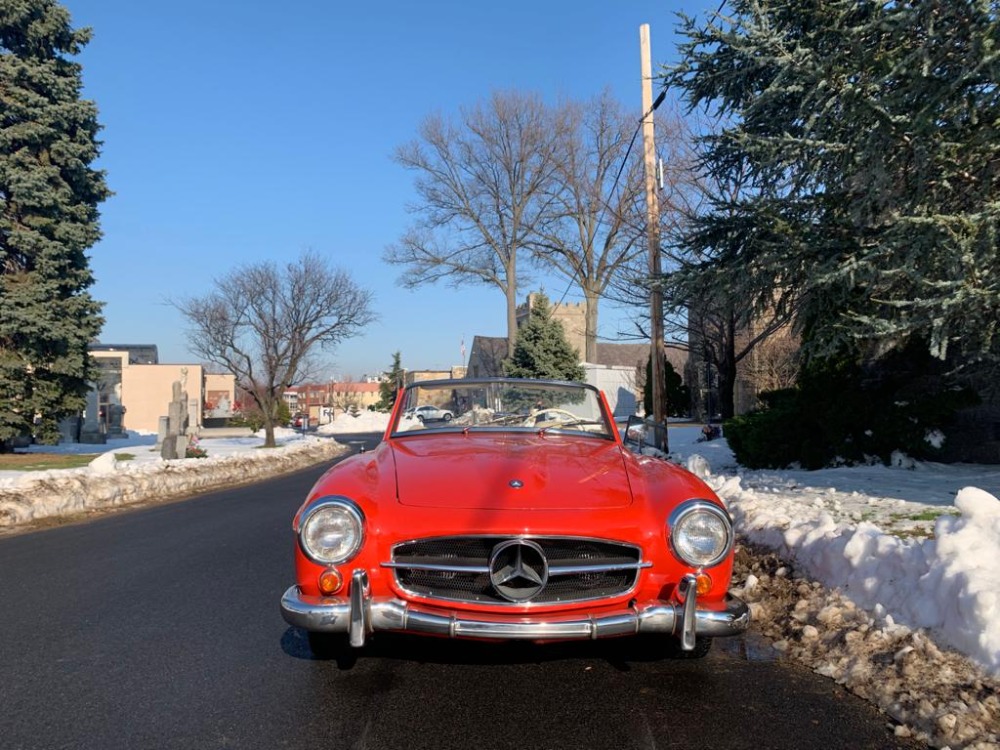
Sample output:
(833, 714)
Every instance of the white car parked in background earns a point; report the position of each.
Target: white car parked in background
(428, 413)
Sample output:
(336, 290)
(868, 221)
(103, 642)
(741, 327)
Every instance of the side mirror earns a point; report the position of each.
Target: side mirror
(645, 437)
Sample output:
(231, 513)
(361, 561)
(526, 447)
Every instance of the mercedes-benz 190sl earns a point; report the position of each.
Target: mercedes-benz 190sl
(526, 516)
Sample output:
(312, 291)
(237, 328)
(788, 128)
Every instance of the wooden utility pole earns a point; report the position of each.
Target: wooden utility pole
(652, 237)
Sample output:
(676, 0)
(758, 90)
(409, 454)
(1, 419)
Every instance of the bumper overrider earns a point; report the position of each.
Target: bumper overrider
(359, 615)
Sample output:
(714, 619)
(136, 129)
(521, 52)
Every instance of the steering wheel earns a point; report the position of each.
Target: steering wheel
(550, 417)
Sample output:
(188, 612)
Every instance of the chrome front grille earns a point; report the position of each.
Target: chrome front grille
(470, 569)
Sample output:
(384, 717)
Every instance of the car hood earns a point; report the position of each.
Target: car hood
(519, 472)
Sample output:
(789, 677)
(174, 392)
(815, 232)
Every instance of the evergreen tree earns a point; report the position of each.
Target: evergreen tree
(541, 349)
(392, 381)
(49, 195)
(678, 395)
(866, 134)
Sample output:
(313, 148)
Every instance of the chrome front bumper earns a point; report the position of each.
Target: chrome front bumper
(359, 615)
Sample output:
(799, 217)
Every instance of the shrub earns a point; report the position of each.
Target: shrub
(252, 419)
(842, 412)
(772, 437)
(677, 394)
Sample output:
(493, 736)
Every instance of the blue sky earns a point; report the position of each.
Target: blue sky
(242, 131)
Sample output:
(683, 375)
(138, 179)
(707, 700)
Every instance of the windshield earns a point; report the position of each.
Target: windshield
(502, 405)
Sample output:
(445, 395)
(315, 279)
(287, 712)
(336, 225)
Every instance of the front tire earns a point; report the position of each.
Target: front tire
(327, 645)
(702, 645)
(669, 647)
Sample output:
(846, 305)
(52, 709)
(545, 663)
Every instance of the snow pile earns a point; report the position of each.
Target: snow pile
(363, 421)
(27, 496)
(949, 584)
(867, 586)
(108, 482)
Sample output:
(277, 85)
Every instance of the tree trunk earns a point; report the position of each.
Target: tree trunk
(511, 293)
(591, 300)
(727, 392)
(727, 373)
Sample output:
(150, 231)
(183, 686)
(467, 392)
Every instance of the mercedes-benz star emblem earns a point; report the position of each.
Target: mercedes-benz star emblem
(518, 570)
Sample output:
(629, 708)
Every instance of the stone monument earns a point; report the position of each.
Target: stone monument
(174, 444)
(91, 431)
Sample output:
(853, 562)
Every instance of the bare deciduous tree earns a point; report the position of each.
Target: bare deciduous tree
(345, 396)
(596, 223)
(710, 309)
(727, 318)
(262, 323)
(774, 362)
(723, 334)
(482, 187)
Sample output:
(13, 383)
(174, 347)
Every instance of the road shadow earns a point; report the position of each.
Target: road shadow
(355, 439)
(618, 652)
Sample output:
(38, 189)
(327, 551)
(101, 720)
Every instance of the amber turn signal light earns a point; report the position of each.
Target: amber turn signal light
(704, 583)
(330, 582)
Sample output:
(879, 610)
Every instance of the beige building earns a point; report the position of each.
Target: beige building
(572, 316)
(133, 391)
(767, 360)
(148, 389)
(323, 402)
(415, 376)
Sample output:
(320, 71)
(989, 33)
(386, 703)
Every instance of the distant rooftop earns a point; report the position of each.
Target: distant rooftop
(138, 354)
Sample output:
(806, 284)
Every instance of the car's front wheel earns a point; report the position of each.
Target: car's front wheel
(702, 645)
(328, 645)
(447, 417)
(669, 647)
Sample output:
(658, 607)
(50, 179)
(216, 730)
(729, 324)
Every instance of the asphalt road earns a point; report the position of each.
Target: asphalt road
(160, 628)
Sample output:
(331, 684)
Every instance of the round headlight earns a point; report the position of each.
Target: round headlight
(701, 534)
(331, 531)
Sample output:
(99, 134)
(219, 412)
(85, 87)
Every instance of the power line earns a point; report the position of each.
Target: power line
(614, 185)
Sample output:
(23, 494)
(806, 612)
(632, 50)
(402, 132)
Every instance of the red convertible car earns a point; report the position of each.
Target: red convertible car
(525, 516)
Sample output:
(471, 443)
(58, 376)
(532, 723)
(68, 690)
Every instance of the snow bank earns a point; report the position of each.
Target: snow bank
(948, 583)
(106, 482)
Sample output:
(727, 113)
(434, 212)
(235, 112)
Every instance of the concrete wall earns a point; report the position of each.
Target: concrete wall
(619, 386)
(416, 376)
(148, 389)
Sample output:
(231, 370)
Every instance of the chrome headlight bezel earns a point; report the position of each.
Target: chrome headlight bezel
(697, 509)
(326, 509)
